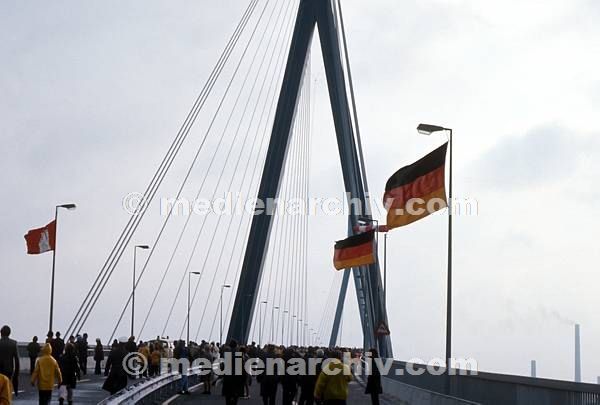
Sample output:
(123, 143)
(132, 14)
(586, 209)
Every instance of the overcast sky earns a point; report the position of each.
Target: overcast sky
(94, 92)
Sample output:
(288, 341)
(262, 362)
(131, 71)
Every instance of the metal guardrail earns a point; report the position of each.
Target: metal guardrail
(155, 389)
(503, 389)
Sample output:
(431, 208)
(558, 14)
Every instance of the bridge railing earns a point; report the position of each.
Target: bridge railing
(493, 388)
(153, 390)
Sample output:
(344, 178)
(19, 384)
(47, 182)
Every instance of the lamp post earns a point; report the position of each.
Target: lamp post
(224, 286)
(426, 129)
(273, 337)
(304, 340)
(68, 207)
(283, 326)
(292, 324)
(260, 322)
(189, 305)
(133, 285)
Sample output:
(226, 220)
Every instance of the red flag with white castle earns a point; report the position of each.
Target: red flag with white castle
(41, 240)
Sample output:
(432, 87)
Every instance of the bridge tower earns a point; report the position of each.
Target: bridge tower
(367, 279)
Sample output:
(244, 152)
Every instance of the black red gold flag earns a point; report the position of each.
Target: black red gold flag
(416, 190)
(356, 250)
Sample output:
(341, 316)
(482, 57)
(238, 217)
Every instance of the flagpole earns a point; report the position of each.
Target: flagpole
(449, 293)
(68, 207)
(53, 269)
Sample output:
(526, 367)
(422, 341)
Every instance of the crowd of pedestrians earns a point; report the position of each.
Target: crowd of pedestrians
(52, 363)
(60, 363)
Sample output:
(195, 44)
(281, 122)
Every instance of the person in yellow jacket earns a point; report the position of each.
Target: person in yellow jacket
(332, 384)
(46, 373)
(5, 390)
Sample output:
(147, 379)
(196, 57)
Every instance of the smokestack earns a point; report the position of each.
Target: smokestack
(533, 369)
(577, 354)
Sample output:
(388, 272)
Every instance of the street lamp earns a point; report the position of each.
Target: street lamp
(292, 323)
(273, 337)
(426, 129)
(69, 207)
(135, 248)
(260, 322)
(283, 326)
(223, 287)
(189, 304)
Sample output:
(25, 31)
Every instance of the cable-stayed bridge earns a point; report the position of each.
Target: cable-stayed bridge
(245, 276)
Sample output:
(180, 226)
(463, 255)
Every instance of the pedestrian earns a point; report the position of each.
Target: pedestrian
(33, 350)
(69, 368)
(181, 353)
(155, 356)
(144, 352)
(9, 358)
(98, 357)
(5, 390)
(116, 375)
(332, 384)
(82, 352)
(233, 383)
(207, 372)
(58, 346)
(374, 387)
(130, 346)
(309, 381)
(269, 380)
(45, 374)
(289, 381)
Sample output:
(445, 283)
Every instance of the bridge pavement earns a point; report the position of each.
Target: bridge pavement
(89, 390)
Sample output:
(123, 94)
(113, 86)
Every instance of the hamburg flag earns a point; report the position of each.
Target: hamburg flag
(41, 240)
(416, 190)
(356, 250)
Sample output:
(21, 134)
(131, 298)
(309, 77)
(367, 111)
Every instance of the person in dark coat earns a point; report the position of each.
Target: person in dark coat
(269, 382)
(82, 352)
(309, 381)
(33, 350)
(58, 346)
(69, 368)
(9, 358)
(373, 387)
(289, 382)
(98, 357)
(130, 346)
(117, 376)
(233, 384)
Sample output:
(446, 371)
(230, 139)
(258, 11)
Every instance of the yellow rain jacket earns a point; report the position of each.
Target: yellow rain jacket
(332, 387)
(5, 390)
(46, 370)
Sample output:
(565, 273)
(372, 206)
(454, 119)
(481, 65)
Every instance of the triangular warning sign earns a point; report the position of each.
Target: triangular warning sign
(382, 329)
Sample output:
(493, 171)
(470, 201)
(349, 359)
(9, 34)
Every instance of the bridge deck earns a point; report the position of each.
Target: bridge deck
(89, 390)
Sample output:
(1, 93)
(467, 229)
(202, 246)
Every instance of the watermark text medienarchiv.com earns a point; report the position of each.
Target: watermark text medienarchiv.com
(234, 363)
(233, 203)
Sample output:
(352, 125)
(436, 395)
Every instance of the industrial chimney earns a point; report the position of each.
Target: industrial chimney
(533, 369)
(577, 354)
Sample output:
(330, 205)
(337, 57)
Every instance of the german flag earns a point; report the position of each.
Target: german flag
(416, 190)
(356, 250)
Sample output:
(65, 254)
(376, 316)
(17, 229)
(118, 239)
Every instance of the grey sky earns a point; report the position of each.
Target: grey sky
(93, 93)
